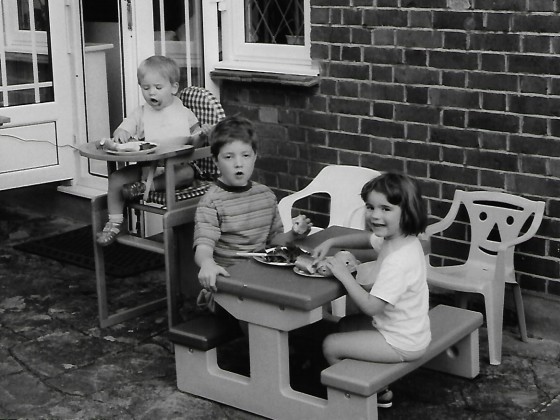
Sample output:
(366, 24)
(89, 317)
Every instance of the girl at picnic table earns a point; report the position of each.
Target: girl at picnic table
(391, 293)
(162, 120)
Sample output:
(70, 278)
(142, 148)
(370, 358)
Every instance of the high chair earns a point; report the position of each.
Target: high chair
(208, 111)
(497, 222)
(343, 183)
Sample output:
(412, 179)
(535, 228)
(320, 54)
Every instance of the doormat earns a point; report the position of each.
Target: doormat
(76, 247)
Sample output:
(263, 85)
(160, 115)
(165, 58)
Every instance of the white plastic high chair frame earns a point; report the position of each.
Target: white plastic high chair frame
(490, 265)
(343, 183)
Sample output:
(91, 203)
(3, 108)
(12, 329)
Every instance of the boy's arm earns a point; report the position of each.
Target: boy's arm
(209, 270)
(301, 226)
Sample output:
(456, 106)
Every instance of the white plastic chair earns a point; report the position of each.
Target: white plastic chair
(343, 183)
(489, 265)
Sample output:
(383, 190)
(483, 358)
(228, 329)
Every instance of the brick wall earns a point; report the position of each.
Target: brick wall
(457, 93)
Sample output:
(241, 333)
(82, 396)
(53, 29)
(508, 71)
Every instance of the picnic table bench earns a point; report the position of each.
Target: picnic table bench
(352, 385)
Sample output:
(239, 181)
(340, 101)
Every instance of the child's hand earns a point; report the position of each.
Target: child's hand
(301, 225)
(338, 268)
(121, 136)
(207, 128)
(107, 144)
(208, 273)
(321, 251)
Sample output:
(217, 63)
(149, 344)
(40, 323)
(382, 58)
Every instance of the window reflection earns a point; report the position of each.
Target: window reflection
(274, 21)
(40, 15)
(180, 37)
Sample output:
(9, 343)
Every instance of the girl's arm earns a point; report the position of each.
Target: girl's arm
(353, 240)
(368, 304)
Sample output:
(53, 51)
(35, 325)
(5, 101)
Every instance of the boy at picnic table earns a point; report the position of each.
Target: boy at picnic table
(236, 214)
(162, 120)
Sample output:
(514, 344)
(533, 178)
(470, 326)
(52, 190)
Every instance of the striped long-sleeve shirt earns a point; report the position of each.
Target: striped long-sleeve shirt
(232, 219)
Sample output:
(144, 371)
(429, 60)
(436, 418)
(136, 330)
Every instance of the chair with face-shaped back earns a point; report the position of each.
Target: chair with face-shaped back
(498, 222)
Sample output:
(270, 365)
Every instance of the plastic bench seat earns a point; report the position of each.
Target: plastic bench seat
(205, 332)
(454, 349)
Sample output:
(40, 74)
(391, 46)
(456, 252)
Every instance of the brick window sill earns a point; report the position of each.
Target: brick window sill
(252, 76)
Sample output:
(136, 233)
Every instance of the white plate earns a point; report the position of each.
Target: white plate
(306, 274)
(151, 148)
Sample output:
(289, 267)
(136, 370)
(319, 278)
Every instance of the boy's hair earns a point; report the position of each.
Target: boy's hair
(165, 66)
(231, 129)
(405, 192)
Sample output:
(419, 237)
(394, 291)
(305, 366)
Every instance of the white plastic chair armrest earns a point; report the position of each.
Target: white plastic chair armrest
(449, 218)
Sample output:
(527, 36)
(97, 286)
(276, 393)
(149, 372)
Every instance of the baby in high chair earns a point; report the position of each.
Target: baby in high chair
(162, 120)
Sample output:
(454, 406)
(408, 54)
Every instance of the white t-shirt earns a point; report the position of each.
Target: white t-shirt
(164, 126)
(399, 278)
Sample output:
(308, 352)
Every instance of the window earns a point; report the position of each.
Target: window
(178, 35)
(274, 37)
(25, 65)
(26, 25)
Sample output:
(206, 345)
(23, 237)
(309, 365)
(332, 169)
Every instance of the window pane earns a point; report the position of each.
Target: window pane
(180, 38)
(40, 15)
(25, 54)
(274, 21)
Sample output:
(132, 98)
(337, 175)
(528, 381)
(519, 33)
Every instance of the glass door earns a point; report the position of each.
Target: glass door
(172, 28)
(36, 92)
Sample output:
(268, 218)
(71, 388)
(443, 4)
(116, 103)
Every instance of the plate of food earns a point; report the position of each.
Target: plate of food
(281, 256)
(307, 266)
(132, 148)
(306, 273)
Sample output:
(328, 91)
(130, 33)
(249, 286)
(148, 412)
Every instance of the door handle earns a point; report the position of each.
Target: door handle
(4, 120)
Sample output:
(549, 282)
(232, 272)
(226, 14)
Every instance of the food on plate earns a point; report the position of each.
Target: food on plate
(305, 263)
(131, 146)
(283, 254)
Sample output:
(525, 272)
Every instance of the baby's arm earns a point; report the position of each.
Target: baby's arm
(121, 136)
(199, 134)
(209, 270)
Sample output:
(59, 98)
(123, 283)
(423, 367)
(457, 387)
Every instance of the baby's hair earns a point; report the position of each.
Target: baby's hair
(231, 129)
(165, 66)
(405, 192)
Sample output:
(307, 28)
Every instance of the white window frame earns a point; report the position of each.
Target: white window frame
(18, 40)
(268, 58)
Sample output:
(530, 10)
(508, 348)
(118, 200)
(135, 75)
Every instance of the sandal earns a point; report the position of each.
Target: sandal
(385, 398)
(109, 233)
(133, 190)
